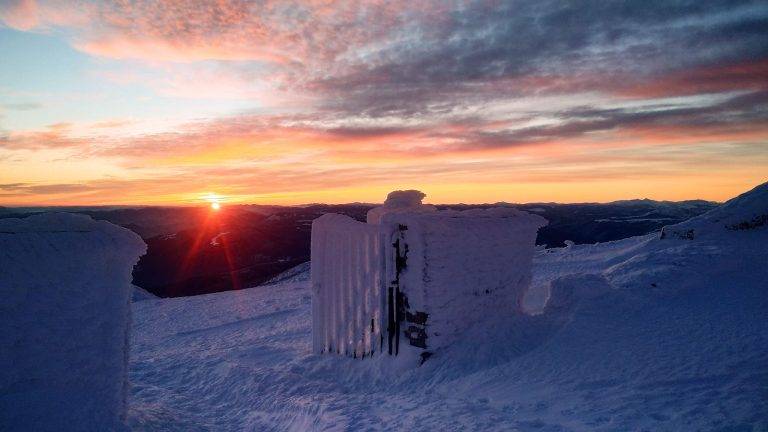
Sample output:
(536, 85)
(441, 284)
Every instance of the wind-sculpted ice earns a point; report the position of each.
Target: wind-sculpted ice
(410, 281)
(65, 317)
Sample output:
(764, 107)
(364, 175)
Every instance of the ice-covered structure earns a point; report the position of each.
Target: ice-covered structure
(65, 282)
(413, 278)
(407, 201)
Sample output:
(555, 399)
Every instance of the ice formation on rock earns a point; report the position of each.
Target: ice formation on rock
(65, 315)
(413, 278)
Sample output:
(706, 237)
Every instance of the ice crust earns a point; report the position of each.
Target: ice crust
(65, 314)
(356, 264)
(400, 201)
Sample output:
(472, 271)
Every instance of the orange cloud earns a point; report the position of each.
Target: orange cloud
(470, 97)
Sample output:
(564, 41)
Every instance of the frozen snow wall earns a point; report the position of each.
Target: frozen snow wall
(65, 315)
(348, 273)
(413, 281)
(458, 269)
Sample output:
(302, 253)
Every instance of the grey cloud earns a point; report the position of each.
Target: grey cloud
(32, 189)
(603, 44)
(25, 106)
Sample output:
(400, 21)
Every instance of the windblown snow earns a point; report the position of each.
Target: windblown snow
(642, 334)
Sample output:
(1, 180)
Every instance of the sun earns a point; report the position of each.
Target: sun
(213, 199)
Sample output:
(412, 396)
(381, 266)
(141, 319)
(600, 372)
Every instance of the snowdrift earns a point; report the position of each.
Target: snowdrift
(65, 315)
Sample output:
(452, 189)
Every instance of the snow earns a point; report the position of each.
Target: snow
(299, 273)
(440, 247)
(400, 201)
(405, 275)
(348, 279)
(65, 316)
(215, 241)
(140, 294)
(747, 211)
(638, 334)
(641, 334)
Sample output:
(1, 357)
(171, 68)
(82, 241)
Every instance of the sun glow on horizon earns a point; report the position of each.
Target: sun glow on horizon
(214, 200)
(345, 102)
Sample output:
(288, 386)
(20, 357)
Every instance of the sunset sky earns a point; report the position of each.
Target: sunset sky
(286, 102)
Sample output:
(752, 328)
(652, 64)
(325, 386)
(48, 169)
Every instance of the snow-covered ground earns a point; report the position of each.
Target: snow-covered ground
(639, 334)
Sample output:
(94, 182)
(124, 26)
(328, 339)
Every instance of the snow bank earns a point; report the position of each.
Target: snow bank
(65, 315)
(402, 282)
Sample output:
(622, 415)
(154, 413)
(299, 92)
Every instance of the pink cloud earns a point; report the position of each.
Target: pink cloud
(20, 14)
(747, 75)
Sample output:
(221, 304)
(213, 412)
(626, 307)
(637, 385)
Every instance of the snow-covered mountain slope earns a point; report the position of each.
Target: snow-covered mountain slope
(639, 334)
(299, 273)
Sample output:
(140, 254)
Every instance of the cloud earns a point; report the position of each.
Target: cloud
(19, 14)
(45, 189)
(379, 90)
(379, 55)
(25, 106)
(337, 136)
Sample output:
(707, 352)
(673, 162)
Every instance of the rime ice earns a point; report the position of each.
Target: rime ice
(402, 283)
(400, 201)
(65, 319)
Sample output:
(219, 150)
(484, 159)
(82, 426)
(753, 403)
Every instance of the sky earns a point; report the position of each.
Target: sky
(168, 102)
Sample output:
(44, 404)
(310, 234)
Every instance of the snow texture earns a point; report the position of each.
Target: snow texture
(496, 244)
(400, 201)
(140, 294)
(65, 314)
(348, 277)
(404, 277)
(641, 334)
(746, 212)
(298, 273)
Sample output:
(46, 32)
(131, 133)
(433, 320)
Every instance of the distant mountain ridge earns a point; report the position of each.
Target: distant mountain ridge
(194, 251)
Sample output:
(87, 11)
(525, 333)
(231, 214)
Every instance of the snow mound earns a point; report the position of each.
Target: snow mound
(65, 316)
(400, 201)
